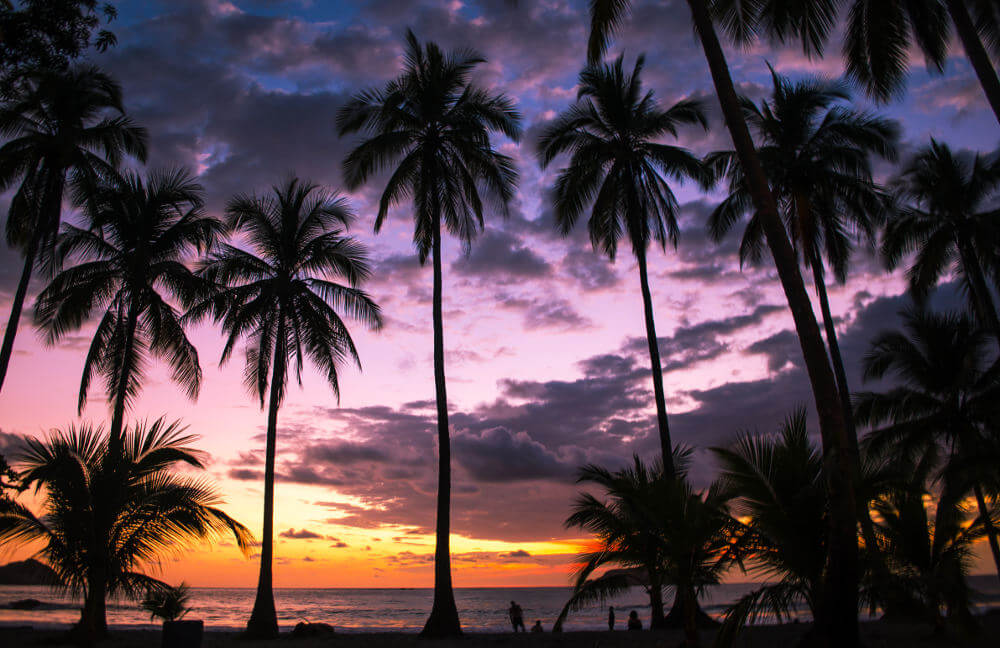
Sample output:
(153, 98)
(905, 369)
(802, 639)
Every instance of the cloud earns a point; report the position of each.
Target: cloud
(301, 534)
(498, 256)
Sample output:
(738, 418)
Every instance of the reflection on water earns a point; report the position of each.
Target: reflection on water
(481, 609)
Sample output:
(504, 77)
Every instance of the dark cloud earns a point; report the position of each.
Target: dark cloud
(301, 534)
(498, 256)
(498, 455)
(700, 342)
(545, 312)
(589, 270)
(244, 474)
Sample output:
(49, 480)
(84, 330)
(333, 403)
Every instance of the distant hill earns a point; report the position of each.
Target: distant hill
(27, 572)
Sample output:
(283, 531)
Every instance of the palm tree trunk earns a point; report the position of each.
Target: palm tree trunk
(991, 532)
(656, 616)
(982, 301)
(263, 623)
(18, 304)
(691, 639)
(841, 591)
(124, 371)
(666, 447)
(93, 624)
(51, 210)
(977, 54)
(443, 621)
(864, 515)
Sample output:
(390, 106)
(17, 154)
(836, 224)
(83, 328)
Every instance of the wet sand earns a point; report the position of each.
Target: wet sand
(876, 634)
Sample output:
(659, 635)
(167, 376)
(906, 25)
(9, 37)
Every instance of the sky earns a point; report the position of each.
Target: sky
(545, 347)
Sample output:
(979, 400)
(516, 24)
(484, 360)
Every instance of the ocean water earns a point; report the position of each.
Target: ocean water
(374, 610)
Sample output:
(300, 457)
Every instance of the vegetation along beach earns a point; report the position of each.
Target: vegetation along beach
(400, 322)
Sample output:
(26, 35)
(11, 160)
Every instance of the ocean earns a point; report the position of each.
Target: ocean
(379, 610)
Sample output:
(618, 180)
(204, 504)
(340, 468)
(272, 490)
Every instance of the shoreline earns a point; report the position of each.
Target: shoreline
(876, 634)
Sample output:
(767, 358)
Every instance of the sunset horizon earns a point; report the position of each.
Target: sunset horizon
(545, 349)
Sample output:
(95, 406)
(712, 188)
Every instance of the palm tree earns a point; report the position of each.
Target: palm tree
(58, 130)
(949, 220)
(808, 21)
(931, 551)
(617, 170)
(944, 410)
(881, 33)
(130, 257)
(282, 298)
(655, 524)
(431, 126)
(775, 483)
(108, 518)
(817, 155)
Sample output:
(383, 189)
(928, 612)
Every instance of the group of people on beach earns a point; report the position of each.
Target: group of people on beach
(516, 615)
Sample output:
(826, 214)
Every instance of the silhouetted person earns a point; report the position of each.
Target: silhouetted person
(516, 617)
(611, 618)
(633, 621)
(537, 627)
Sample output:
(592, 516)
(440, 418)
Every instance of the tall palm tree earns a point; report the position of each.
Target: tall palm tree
(109, 517)
(616, 171)
(285, 297)
(141, 231)
(657, 524)
(944, 410)
(948, 218)
(62, 127)
(808, 21)
(431, 126)
(881, 33)
(817, 154)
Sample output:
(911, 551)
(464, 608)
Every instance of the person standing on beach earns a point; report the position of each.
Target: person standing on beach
(633, 621)
(611, 617)
(516, 616)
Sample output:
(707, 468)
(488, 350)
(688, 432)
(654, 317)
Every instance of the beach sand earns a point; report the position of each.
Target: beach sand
(876, 634)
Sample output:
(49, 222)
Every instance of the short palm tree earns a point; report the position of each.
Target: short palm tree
(656, 524)
(810, 22)
(943, 410)
(130, 259)
(947, 219)
(775, 484)
(431, 127)
(931, 549)
(283, 297)
(61, 127)
(617, 172)
(880, 35)
(109, 518)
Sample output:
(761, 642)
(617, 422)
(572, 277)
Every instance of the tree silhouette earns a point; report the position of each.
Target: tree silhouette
(58, 132)
(616, 172)
(431, 126)
(281, 297)
(944, 411)
(657, 524)
(881, 33)
(130, 258)
(810, 22)
(108, 517)
(947, 220)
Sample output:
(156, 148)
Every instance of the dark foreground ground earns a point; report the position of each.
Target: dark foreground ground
(876, 634)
